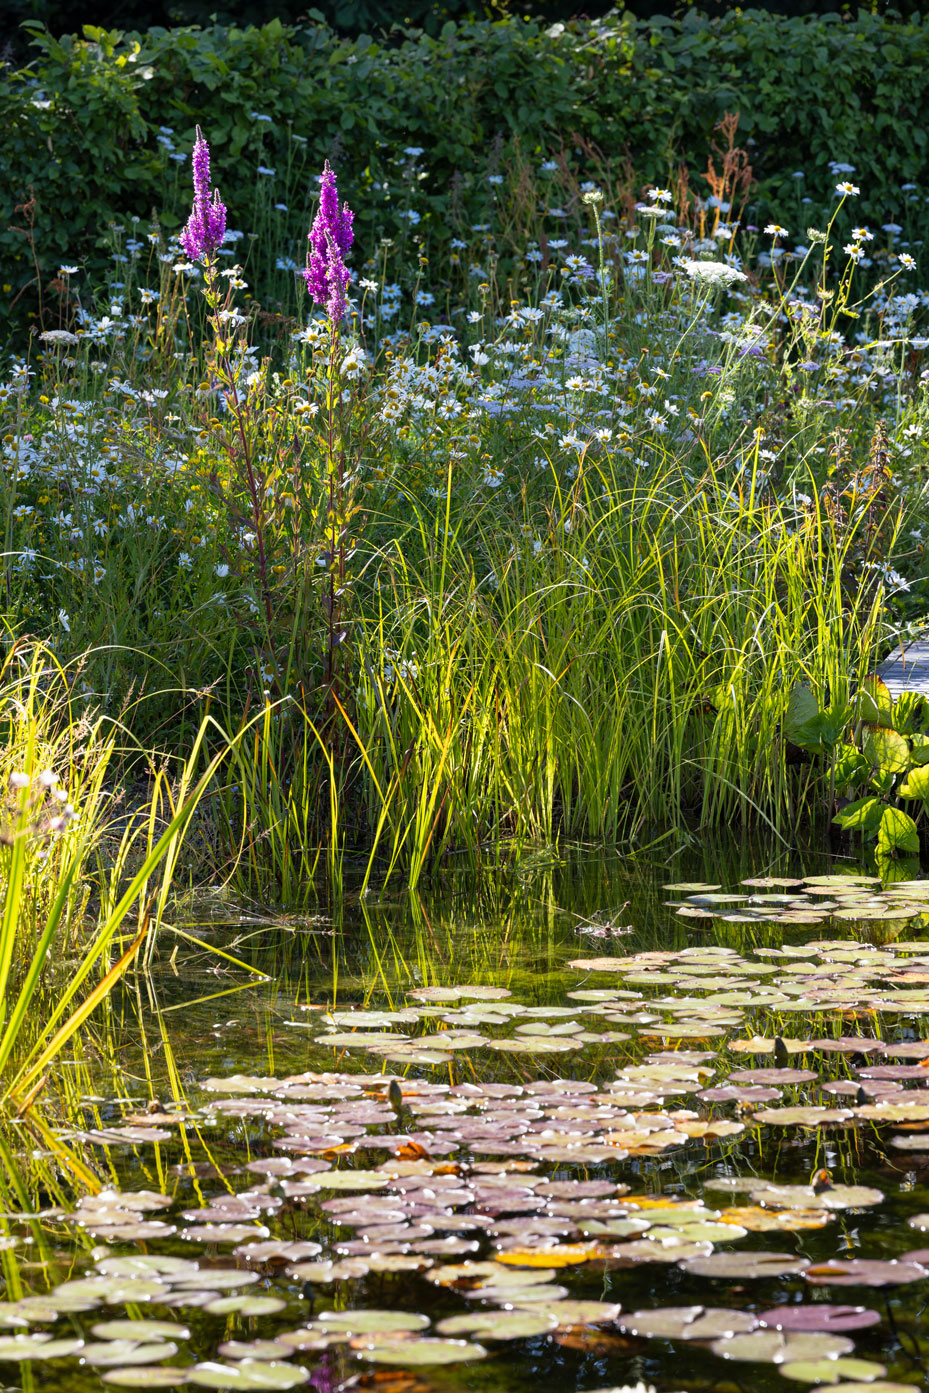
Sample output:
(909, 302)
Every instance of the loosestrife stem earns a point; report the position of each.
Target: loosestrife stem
(238, 409)
(326, 277)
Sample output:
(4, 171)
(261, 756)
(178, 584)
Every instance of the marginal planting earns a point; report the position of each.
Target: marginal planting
(545, 559)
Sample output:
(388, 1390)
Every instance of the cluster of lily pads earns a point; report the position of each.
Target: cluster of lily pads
(435, 1188)
(783, 900)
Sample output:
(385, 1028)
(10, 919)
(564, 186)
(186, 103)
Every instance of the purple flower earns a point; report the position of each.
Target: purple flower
(330, 239)
(206, 226)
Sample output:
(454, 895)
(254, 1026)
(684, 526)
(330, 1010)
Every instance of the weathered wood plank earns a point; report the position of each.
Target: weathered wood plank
(908, 671)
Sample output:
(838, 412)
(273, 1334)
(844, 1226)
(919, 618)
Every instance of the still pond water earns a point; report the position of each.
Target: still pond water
(567, 1130)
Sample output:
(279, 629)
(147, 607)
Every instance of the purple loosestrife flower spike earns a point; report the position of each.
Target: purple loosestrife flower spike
(330, 239)
(206, 226)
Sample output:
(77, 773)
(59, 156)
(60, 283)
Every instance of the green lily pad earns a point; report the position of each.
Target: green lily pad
(215, 1278)
(582, 1312)
(123, 1352)
(499, 1325)
(250, 1374)
(691, 887)
(783, 1347)
(744, 1265)
(148, 1265)
(19, 1347)
(254, 1349)
(833, 1371)
(688, 1323)
(878, 1386)
(350, 1180)
(245, 1305)
(420, 1354)
(370, 1322)
(149, 1377)
(140, 1330)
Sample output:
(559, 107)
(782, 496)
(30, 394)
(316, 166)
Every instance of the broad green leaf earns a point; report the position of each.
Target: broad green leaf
(850, 767)
(874, 703)
(896, 870)
(897, 833)
(916, 783)
(886, 750)
(864, 815)
(801, 719)
(911, 713)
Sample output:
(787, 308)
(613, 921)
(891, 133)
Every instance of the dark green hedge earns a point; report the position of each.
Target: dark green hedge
(81, 122)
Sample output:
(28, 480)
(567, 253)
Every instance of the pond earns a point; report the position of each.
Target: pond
(599, 1122)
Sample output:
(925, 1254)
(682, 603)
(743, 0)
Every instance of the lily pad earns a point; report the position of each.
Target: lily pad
(37, 1346)
(582, 1312)
(350, 1180)
(828, 1371)
(499, 1325)
(819, 1316)
(864, 1272)
(370, 1322)
(244, 1305)
(142, 1377)
(250, 1374)
(745, 1265)
(124, 1352)
(779, 1347)
(420, 1354)
(140, 1330)
(688, 1323)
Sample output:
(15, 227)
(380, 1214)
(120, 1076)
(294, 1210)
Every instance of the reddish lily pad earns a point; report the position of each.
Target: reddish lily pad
(817, 1316)
(864, 1272)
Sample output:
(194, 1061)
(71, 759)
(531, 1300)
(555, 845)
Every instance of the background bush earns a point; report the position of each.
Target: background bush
(83, 144)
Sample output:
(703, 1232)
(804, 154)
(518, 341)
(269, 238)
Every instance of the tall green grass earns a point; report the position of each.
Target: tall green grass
(84, 884)
(635, 677)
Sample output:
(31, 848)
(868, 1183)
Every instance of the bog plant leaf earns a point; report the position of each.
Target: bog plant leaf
(886, 750)
(862, 815)
(897, 835)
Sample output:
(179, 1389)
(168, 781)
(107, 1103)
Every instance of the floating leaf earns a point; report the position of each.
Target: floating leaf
(565, 1255)
(254, 1349)
(246, 1305)
(864, 1272)
(823, 1371)
(743, 1265)
(147, 1265)
(780, 1347)
(350, 1180)
(581, 1312)
(819, 1317)
(250, 1374)
(424, 1353)
(369, 1322)
(149, 1377)
(804, 1116)
(217, 1278)
(499, 1325)
(140, 1330)
(688, 1323)
(121, 1352)
(38, 1346)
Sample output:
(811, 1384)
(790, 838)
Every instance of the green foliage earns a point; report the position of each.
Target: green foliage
(81, 121)
(60, 903)
(888, 757)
